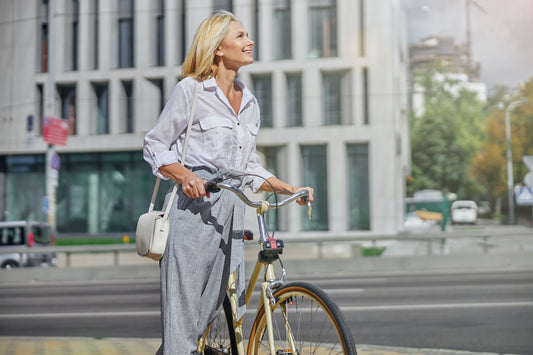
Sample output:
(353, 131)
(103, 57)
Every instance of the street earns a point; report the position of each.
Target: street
(480, 312)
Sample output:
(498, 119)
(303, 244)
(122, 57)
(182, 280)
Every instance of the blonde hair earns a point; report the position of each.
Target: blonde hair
(200, 61)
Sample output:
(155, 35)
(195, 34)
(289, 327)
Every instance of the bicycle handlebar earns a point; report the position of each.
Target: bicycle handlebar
(215, 185)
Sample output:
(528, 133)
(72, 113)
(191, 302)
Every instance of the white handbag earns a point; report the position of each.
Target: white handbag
(152, 227)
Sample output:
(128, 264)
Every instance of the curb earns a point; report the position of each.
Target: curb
(295, 268)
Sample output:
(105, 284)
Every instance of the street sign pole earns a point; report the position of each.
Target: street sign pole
(50, 111)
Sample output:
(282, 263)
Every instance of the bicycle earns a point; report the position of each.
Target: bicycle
(291, 317)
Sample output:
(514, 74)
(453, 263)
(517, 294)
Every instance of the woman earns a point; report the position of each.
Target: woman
(205, 239)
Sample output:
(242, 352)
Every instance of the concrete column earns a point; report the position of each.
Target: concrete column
(312, 97)
(85, 23)
(85, 108)
(196, 11)
(172, 32)
(265, 30)
(60, 39)
(337, 186)
(294, 178)
(107, 36)
(299, 29)
(279, 100)
(116, 117)
(145, 33)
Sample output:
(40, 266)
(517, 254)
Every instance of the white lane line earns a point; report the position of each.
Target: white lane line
(435, 306)
(343, 309)
(80, 315)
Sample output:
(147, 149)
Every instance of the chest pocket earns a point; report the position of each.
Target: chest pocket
(217, 136)
(253, 128)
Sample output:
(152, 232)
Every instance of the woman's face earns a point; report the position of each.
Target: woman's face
(235, 50)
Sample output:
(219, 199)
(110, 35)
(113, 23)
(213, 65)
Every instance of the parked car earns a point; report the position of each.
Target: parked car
(30, 237)
(464, 211)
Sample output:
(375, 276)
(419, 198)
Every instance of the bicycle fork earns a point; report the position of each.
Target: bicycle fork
(268, 302)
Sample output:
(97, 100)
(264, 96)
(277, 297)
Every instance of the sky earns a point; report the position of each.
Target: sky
(501, 33)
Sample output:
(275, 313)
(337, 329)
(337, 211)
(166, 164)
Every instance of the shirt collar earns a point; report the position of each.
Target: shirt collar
(247, 95)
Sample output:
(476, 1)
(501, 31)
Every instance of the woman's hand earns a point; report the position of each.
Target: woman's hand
(307, 200)
(191, 184)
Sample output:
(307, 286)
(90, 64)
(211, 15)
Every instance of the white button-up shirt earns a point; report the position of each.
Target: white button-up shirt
(220, 138)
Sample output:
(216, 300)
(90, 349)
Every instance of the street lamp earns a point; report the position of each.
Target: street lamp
(510, 178)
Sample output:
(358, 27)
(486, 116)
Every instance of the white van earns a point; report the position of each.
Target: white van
(30, 237)
(464, 211)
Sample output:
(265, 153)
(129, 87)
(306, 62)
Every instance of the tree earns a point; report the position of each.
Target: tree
(489, 162)
(445, 137)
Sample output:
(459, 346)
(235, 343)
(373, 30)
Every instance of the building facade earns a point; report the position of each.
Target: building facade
(330, 76)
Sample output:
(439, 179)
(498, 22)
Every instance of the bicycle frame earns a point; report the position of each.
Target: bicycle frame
(270, 250)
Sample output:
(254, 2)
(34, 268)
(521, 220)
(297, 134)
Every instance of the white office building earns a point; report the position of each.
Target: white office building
(330, 75)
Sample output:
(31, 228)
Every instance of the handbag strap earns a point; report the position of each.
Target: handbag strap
(183, 156)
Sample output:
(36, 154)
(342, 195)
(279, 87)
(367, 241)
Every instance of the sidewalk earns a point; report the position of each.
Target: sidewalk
(127, 346)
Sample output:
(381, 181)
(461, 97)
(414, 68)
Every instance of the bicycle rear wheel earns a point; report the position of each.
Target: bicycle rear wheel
(305, 314)
(220, 338)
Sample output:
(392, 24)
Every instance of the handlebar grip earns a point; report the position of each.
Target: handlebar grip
(211, 185)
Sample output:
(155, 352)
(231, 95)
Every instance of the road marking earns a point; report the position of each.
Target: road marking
(435, 306)
(343, 309)
(80, 315)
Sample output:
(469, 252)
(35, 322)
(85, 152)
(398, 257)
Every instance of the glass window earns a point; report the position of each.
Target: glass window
(358, 186)
(183, 32)
(257, 29)
(12, 236)
(24, 203)
(331, 99)
(74, 34)
(282, 29)
(366, 114)
(323, 28)
(39, 110)
(41, 234)
(294, 100)
(362, 27)
(160, 33)
(125, 34)
(94, 16)
(263, 92)
(128, 106)
(101, 117)
(315, 174)
(42, 41)
(67, 93)
(223, 5)
(103, 192)
(44, 47)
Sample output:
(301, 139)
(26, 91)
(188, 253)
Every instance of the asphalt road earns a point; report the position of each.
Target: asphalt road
(479, 312)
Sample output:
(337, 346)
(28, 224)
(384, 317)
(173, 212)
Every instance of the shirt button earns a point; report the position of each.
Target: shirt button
(240, 147)
(238, 123)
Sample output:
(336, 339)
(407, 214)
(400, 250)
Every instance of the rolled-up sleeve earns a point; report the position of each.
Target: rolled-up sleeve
(159, 143)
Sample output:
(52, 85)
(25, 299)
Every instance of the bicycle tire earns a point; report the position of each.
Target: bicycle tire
(316, 322)
(220, 338)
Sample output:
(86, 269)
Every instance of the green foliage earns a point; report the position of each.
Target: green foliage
(489, 162)
(445, 137)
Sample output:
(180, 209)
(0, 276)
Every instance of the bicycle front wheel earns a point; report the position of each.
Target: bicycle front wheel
(304, 321)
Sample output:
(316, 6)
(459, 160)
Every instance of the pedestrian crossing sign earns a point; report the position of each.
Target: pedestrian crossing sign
(524, 196)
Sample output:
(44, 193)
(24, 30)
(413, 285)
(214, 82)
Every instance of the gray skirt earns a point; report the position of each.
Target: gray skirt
(205, 245)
